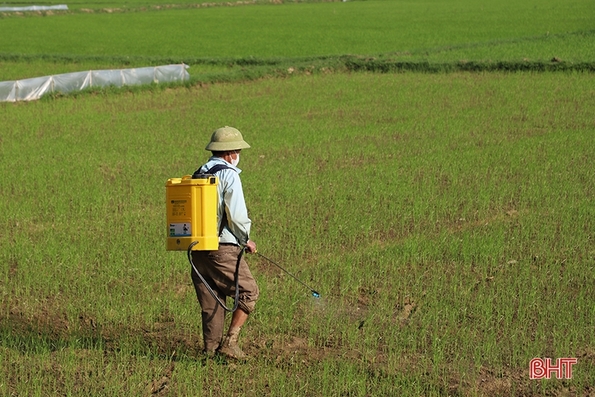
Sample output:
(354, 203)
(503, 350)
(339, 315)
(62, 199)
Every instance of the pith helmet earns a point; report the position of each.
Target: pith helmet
(226, 138)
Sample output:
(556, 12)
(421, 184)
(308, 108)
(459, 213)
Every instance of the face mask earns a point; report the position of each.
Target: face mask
(235, 161)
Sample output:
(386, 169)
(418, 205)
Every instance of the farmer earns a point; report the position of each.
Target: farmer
(218, 267)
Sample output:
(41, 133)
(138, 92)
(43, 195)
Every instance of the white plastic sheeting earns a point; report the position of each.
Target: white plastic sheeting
(32, 89)
(34, 8)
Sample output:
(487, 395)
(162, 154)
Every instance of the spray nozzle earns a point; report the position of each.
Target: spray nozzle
(315, 294)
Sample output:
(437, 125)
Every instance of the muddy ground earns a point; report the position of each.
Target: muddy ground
(166, 341)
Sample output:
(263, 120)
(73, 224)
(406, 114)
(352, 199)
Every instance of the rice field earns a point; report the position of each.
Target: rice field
(444, 217)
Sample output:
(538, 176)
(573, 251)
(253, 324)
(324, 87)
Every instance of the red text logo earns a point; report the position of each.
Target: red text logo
(544, 368)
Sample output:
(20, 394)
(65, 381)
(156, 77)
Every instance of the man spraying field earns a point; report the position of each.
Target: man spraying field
(218, 268)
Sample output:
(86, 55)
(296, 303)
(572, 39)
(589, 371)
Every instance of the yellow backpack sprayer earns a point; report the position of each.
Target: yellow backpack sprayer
(192, 213)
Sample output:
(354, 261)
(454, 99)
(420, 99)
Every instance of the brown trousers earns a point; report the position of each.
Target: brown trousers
(218, 270)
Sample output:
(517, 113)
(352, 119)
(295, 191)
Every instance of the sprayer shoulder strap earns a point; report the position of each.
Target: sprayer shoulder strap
(211, 171)
(216, 168)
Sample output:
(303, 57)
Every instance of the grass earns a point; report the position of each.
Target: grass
(444, 219)
(444, 215)
(278, 40)
(323, 29)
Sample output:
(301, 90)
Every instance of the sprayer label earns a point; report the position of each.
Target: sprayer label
(180, 229)
(178, 207)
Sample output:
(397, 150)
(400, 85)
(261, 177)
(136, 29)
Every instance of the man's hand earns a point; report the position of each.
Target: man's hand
(251, 247)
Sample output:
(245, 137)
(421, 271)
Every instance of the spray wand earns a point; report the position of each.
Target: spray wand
(314, 293)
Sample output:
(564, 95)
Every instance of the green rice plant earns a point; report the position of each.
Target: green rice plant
(299, 30)
(444, 218)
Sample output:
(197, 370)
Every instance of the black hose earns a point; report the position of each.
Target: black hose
(236, 279)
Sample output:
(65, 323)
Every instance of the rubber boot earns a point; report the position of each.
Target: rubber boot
(210, 353)
(210, 348)
(229, 347)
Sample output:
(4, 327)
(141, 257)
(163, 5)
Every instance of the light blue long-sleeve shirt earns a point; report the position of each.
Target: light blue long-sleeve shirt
(231, 206)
